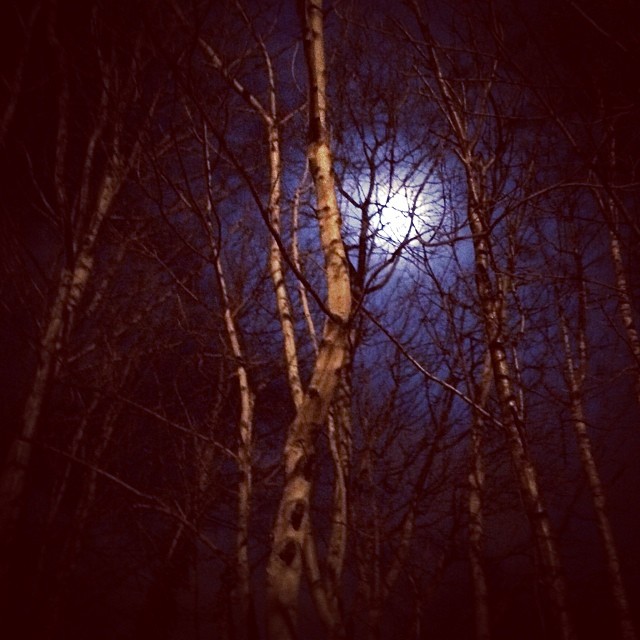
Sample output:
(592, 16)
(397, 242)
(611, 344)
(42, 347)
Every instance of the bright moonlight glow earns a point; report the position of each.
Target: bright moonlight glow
(403, 211)
(396, 207)
(399, 211)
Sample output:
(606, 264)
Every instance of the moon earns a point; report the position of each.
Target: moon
(398, 212)
(396, 209)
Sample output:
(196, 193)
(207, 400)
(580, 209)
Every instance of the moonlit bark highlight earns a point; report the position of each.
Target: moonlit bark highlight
(285, 564)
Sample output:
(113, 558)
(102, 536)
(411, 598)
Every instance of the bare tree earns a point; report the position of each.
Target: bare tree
(285, 390)
(576, 367)
(443, 83)
(76, 199)
(292, 521)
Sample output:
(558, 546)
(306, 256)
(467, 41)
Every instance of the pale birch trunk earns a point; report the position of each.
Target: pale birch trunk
(72, 283)
(70, 291)
(326, 590)
(295, 256)
(245, 429)
(80, 208)
(285, 563)
(271, 122)
(492, 310)
(245, 423)
(625, 306)
(275, 254)
(476, 520)
(575, 372)
(323, 592)
(452, 102)
(611, 214)
(80, 432)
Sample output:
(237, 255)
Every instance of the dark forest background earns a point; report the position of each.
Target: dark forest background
(161, 306)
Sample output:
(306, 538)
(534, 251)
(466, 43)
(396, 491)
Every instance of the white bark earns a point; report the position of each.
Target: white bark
(245, 423)
(625, 306)
(292, 524)
(610, 211)
(575, 372)
(72, 285)
(80, 216)
(492, 310)
(452, 102)
(476, 520)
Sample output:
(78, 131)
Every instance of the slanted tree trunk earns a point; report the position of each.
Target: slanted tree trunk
(276, 269)
(476, 520)
(326, 589)
(453, 104)
(72, 284)
(625, 304)
(284, 568)
(491, 304)
(323, 591)
(575, 373)
(245, 423)
(80, 207)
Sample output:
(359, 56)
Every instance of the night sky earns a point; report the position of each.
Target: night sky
(163, 289)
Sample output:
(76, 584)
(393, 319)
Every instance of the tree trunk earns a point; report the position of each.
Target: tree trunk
(452, 101)
(625, 306)
(243, 590)
(275, 256)
(492, 311)
(72, 284)
(476, 524)
(81, 215)
(574, 374)
(285, 563)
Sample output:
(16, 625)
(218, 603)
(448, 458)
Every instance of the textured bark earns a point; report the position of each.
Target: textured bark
(269, 116)
(326, 591)
(625, 306)
(295, 256)
(275, 254)
(245, 432)
(245, 422)
(70, 291)
(611, 213)
(452, 102)
(323, 594)
(285, 563)
(575, 371)
(476, 524)
(492, 311)
(80, 205)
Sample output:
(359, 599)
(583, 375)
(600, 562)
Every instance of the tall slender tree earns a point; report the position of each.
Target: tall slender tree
(292, 521)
